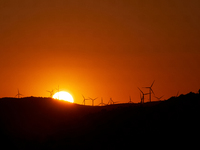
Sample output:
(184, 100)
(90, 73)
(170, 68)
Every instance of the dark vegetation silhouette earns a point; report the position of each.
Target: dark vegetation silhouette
(45, 123)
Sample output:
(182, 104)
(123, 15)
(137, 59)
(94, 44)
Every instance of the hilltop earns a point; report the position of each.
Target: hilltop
(45, 123)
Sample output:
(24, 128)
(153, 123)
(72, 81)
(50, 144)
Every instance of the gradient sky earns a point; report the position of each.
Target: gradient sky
(104, 48)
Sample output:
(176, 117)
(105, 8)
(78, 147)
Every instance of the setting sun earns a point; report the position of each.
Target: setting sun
(62, 95)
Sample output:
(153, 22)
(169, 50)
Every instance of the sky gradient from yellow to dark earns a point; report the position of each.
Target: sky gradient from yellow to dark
(104, 48)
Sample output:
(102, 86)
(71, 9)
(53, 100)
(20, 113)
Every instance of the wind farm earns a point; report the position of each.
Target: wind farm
(144, 97)
(107, 74)
(66, 120)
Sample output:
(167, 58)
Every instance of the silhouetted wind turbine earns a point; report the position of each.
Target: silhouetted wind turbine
(150, 90)
(130, 100)
(142, 97)
(177, 94)
(112, 102)
(58, 90)
(18, 94)
(51, 93)
(93, 99)
(159, 98)
(84, 99)
(102, 104)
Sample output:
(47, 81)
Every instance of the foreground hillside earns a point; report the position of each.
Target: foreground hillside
(45, 123)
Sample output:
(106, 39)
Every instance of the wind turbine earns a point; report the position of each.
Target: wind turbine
(112, 102)
(142, 97)
(84, 99)
(93, 99)
(18, 94)
(58, 90)
(158, 98)
(130, 100)
(150, 90)
(51, 93)
(177, 94)
(102, 104)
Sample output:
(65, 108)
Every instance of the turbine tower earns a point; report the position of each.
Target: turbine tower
(142, 97)
(84, 99)
(18, 94)
(102, 104)
(130, 100)
(93, 99)
(150, 90)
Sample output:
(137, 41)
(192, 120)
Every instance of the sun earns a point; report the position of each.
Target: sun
(62, 95)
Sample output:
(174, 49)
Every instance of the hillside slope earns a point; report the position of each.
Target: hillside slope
(44, 123)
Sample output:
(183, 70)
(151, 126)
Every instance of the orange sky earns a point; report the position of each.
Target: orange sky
(99, 49)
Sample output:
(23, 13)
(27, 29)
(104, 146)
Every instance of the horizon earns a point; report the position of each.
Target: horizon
(106, 103)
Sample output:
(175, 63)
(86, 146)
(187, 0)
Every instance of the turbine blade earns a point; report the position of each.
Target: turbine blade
(83, 96)
(161, 97)
(146, 87)
(152, 83)
(140, 90)
(152, 91)
(177, 94)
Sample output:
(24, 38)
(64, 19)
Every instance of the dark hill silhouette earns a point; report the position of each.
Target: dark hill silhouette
(45, 123)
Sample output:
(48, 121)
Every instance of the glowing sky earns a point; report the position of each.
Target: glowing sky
(104, 48)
